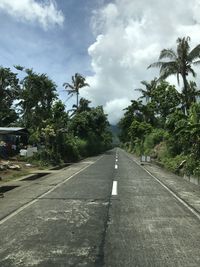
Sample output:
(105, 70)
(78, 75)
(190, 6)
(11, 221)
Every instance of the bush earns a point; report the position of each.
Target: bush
(192, 166)
(173, 164)
(70, 150)
(154, 138)
(45, 157)
(138, 147)
(82, 147)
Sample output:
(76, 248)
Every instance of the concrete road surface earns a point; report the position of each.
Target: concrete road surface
(104, 211)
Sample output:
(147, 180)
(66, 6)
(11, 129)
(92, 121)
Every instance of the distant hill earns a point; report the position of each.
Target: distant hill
(115, 132)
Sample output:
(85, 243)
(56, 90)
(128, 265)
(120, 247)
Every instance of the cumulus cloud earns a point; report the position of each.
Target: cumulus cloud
(45, 12)
(129, 36)
(115, 108)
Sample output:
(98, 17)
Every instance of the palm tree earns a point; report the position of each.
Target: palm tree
(179, 64)
(78, 81)
(146, 93)
(193, 92)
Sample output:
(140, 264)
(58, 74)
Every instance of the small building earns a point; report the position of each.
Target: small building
(12, 139)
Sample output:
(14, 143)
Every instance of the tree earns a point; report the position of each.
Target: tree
(133, 111)
(91, 126)
(149, 86)
(193, 93)
(37, 95)
(165, 99)
(138, 131)
(9, 92)
(83, 105)
(78, 81)
(179, 64)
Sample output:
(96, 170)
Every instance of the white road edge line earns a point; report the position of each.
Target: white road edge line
(43, 195)
(171, 192)
(114, 188)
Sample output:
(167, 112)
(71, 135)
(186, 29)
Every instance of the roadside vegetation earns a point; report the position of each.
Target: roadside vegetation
(61, 135)
(164, 122)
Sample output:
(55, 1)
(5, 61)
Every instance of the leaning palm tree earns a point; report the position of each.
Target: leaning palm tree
(78, 81)
(179, 64)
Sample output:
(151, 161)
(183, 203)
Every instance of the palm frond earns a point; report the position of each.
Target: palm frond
(145, 83)
(168, 68)
(192, 71)
(178, 80)
(165, 74)
(194, 54)
(196, 63)
(86, 84)
(139, 89)
(167, 53)
(66, 85)
(155, 65)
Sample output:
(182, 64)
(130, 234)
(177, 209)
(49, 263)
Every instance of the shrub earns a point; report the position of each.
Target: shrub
(192, 166)
(82, 147)
(154, 138)
(173, 163)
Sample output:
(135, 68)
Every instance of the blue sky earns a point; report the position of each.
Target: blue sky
(110, 42)
(59, 50)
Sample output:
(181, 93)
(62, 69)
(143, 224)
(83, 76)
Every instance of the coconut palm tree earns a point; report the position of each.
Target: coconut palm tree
(149, 86)
(180, 63)
(78, 81)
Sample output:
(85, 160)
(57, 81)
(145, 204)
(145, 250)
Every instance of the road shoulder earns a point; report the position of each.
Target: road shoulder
(188, 192)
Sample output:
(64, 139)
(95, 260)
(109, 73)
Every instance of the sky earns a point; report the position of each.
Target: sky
(111, 43)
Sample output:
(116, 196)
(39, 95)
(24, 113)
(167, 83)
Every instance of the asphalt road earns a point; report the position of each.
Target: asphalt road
(104, 211)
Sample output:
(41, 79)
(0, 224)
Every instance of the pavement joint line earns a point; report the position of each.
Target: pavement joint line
(44, 194)
(114, 188)
(183, 202)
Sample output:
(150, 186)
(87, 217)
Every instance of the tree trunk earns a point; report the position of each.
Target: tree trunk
(185, 88)
(77, 99)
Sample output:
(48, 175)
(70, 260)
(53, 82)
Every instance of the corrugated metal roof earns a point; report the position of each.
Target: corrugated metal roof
(12, 130)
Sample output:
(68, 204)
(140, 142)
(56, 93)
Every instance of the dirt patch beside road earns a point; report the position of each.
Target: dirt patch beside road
(7, 174)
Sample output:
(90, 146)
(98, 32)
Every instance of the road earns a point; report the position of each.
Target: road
(104, 211)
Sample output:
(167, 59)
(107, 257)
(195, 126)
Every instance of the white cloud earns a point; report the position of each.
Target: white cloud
(115, 108)
(129, 36)
(45, 13)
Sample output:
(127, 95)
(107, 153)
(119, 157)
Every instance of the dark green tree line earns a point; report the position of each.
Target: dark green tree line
(32, 102)
(166, 125)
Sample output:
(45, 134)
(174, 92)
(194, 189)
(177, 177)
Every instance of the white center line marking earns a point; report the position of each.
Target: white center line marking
(116, 166)
(114, 188)
(116, 160)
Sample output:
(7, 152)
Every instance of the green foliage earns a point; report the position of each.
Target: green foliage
(154, 138)
(36, 98)
(192, 166)
(165, 98)
(173, 163)
(167, 126)
(180, 64)
(139, 130)
(58, 136)
(78, 82)
(9, 92)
